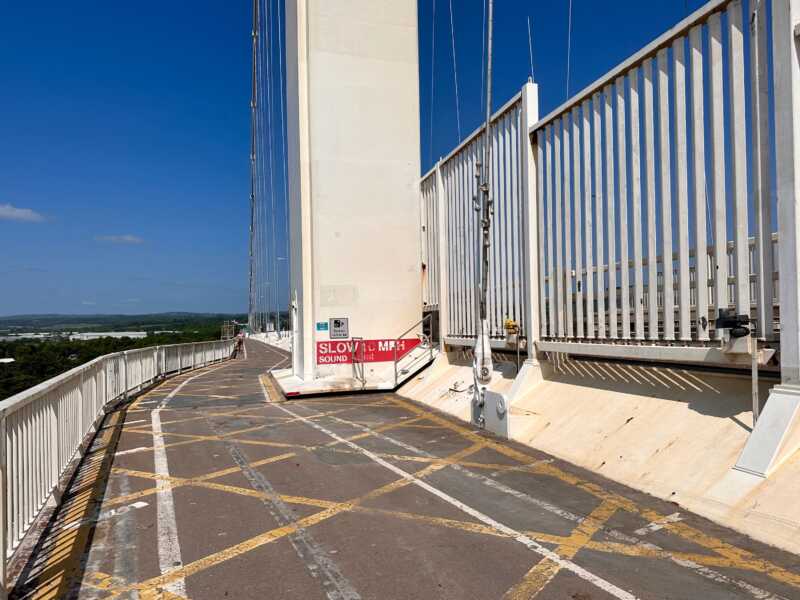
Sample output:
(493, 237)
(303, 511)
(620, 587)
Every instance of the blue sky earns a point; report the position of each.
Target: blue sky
(124, 137)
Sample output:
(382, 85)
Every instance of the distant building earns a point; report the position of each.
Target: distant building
(28, 336)
(91, 335)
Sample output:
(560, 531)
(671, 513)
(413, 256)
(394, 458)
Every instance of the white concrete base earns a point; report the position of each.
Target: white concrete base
(499, 406)
(776, 435)
(495, 413)
(381, 378)
(670, 432)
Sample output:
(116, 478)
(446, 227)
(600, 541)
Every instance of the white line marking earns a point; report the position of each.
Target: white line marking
(523, 539)
(105, 515)
(134, 422)
(169, 548)
(132, 451)
(660, 524)
(280, 352)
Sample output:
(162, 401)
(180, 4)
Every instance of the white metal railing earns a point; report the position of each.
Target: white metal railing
(651, 162)
(458, 188)
(42, 428)
(429, 239)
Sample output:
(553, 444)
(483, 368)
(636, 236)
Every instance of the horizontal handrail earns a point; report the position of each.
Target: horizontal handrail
(400, 337)
(43, 428)
(414, 326)
(471, 137)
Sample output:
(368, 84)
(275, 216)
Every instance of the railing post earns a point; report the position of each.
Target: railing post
(774, 437)
(443, 253)
(785, 19)
(125, 374)
(3, 516)
(530, 222)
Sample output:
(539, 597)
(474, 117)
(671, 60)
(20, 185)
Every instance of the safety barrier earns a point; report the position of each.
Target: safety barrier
(646, 205)
(624, 232)
(43, 428)
(448, 209)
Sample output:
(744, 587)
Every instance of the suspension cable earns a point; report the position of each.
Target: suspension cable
(486, 203)
(271, 131)
(263, 264)
(483, 51)
(530, 46)
(569, 44)
(253, 107)
(455, 71)
(433, 80)
(285, 171)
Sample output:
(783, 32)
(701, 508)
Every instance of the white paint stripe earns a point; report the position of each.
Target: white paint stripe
(106, 515)
(523, 539)
(280, 352)
(134, 422)
(660, 524)
(132, 451)
(169, 549)
(700, 570)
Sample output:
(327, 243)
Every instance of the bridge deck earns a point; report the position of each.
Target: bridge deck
(201, 489)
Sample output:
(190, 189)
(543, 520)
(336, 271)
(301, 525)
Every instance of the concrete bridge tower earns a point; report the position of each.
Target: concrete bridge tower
(354, 167)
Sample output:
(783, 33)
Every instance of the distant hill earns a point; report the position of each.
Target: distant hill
(99, 322)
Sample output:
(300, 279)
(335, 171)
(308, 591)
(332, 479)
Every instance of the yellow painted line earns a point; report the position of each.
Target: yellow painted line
(101, 581)
(178, 481)
(467, 526)
(202, 438)
(543, 571)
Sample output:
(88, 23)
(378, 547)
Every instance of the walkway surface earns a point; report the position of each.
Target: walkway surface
(206, 487)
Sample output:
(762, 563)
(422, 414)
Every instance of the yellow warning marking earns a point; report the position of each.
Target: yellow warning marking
(178, 481)
(101, 581)
(195, 438)
(543, 571)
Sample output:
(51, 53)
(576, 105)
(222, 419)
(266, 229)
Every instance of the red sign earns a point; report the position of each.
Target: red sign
(340, 352)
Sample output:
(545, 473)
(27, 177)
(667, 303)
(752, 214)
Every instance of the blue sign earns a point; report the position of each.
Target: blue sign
(322, 326)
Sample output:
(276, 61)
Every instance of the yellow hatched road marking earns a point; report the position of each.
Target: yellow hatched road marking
(543, 571)
(281, 532)
(732, 557)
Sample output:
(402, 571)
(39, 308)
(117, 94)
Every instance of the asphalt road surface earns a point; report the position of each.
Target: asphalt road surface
(212, 486)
